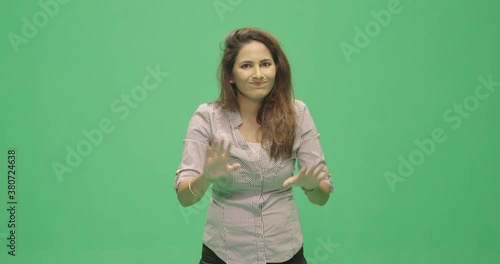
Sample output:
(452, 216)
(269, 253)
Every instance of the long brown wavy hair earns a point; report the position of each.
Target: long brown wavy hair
(276, 115)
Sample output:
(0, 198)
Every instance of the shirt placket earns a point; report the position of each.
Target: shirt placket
(259, 223)
(257, 184)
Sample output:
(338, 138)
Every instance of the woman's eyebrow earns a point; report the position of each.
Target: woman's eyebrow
(264, 60)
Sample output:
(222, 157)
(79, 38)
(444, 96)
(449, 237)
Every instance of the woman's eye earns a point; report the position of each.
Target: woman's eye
(245, 66)
(266, 64)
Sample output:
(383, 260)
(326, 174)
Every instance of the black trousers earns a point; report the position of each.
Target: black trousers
(209, 257)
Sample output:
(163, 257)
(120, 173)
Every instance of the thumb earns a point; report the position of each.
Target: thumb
(290, 181)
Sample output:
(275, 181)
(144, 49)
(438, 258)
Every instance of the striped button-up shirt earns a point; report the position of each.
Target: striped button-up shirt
(251, 217)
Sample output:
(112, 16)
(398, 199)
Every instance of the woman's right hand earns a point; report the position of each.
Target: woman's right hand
(216, 161)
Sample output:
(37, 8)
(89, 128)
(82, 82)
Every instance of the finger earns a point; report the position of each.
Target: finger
(210, 151)
(307, 171)
(322, 176)
(310, 170)
(318, 170)
(290, 181)
(233, 167)
(228, 149)
(215, 146)
(220, 149)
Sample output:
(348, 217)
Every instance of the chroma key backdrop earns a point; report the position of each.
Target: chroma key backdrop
(96, 97)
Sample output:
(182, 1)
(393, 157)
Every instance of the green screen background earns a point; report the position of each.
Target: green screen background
(118, 204)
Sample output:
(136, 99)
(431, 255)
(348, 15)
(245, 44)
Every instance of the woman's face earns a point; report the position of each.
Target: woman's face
(254, 71)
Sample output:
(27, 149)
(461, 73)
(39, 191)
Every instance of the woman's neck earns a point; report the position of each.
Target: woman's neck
(249, 109)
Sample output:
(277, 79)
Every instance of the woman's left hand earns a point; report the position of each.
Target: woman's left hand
(307, 178)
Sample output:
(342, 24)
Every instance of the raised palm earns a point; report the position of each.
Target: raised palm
(307, 177)
(217, 161)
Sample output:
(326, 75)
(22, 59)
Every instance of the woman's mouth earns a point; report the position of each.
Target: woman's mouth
(258, 84)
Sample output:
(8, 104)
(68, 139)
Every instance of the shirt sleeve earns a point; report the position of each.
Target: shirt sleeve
(195, 143)
(310, 153)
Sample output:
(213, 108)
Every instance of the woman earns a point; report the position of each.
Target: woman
(252, 217)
